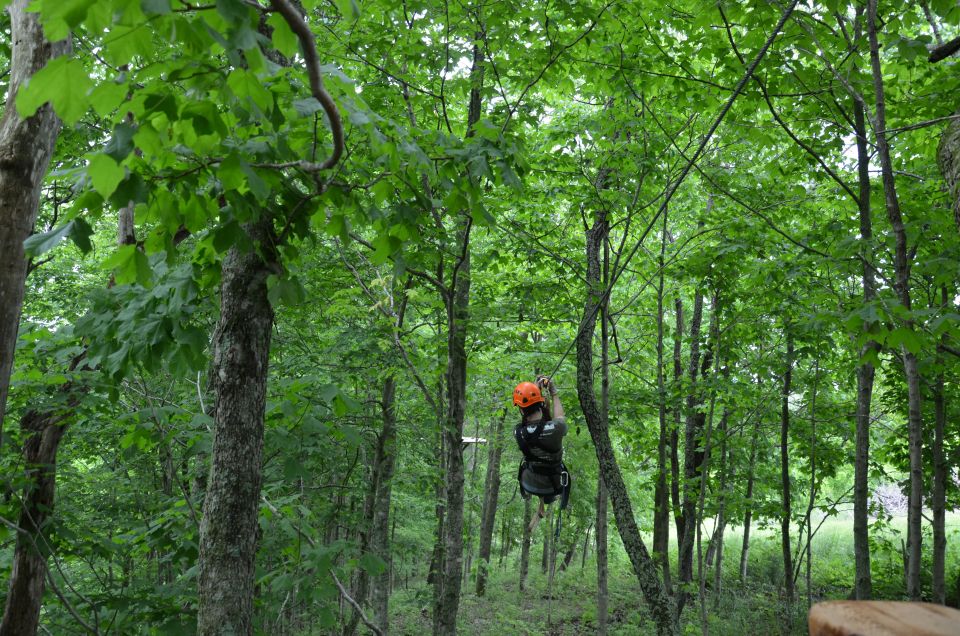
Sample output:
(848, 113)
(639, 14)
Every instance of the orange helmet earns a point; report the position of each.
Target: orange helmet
(527, 394)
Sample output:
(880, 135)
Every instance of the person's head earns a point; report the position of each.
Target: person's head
(528, 397)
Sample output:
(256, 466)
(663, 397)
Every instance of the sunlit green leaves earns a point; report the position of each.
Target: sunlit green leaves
(105, 174)
(64, 83)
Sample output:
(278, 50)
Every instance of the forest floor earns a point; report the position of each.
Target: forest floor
(740, 609)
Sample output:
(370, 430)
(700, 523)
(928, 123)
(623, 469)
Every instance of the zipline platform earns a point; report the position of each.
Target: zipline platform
(882, 618)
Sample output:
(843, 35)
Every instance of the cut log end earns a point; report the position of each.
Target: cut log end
(882, 618)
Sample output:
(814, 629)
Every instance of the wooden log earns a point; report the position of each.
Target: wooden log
(882, 618)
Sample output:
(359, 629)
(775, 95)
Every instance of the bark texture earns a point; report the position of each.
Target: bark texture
(644, 567)
(26, 146)
(948, 156)
(602, 593)
(238, 376)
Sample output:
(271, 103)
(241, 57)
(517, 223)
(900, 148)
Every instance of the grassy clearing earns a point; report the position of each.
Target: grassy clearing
(751, 607)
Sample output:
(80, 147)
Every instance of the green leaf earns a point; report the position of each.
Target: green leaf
(245, 84)
(81, 234)
(39, 244)
(155, 7)
(906, 337)
(59, 17)
(129, 265)
(64, 83)
(106, 97)
(283, 37)
(105, 174)
(232, 10)
(121, 144)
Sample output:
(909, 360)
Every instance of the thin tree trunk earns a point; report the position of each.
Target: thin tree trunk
(813, 477)
(748, 503)
(238, 376)
(491, 494)
(28, 577)
(705, 465)
(644, 567)
(675, 430)
(940, 473)
(717, 542)
(902, 286)
(661, 514)
(692, 453)
(788, 583)
(386, 461)
(586, 546)
(26, 146)
(525, 545)
(601, 550)
(863, 586)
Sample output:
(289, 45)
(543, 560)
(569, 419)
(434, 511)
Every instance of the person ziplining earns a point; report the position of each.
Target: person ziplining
(540, 437)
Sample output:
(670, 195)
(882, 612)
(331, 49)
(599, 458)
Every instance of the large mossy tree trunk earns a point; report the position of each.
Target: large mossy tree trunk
(26, 146)
(661, 608)
(238, 377)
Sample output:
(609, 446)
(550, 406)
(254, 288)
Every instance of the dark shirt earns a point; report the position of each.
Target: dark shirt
(547, 450)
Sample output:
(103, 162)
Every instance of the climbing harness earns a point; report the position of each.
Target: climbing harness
(556, 471)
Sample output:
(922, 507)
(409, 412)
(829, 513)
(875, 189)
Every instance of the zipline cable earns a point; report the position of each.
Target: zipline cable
(683, 174)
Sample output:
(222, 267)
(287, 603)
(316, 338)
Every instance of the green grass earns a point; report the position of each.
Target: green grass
(752, 607)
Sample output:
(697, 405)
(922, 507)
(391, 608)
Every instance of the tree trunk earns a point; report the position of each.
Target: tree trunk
(902, 285)
(28, 576)
(863, 586)
(788, 584)
(748, 503)
(716, 543)
(661, 512)
(42, 432)
(645, 569)
(458, 305)
(675, 430)
(948, 157)
(25, 150)
(602, 593)
(238, 376)
(525, 545)
(692, 454)
(813, 478)
(379, 542)
(491, 494)
(940, 473)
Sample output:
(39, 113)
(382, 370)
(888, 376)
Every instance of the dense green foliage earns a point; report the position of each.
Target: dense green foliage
(200, 116)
